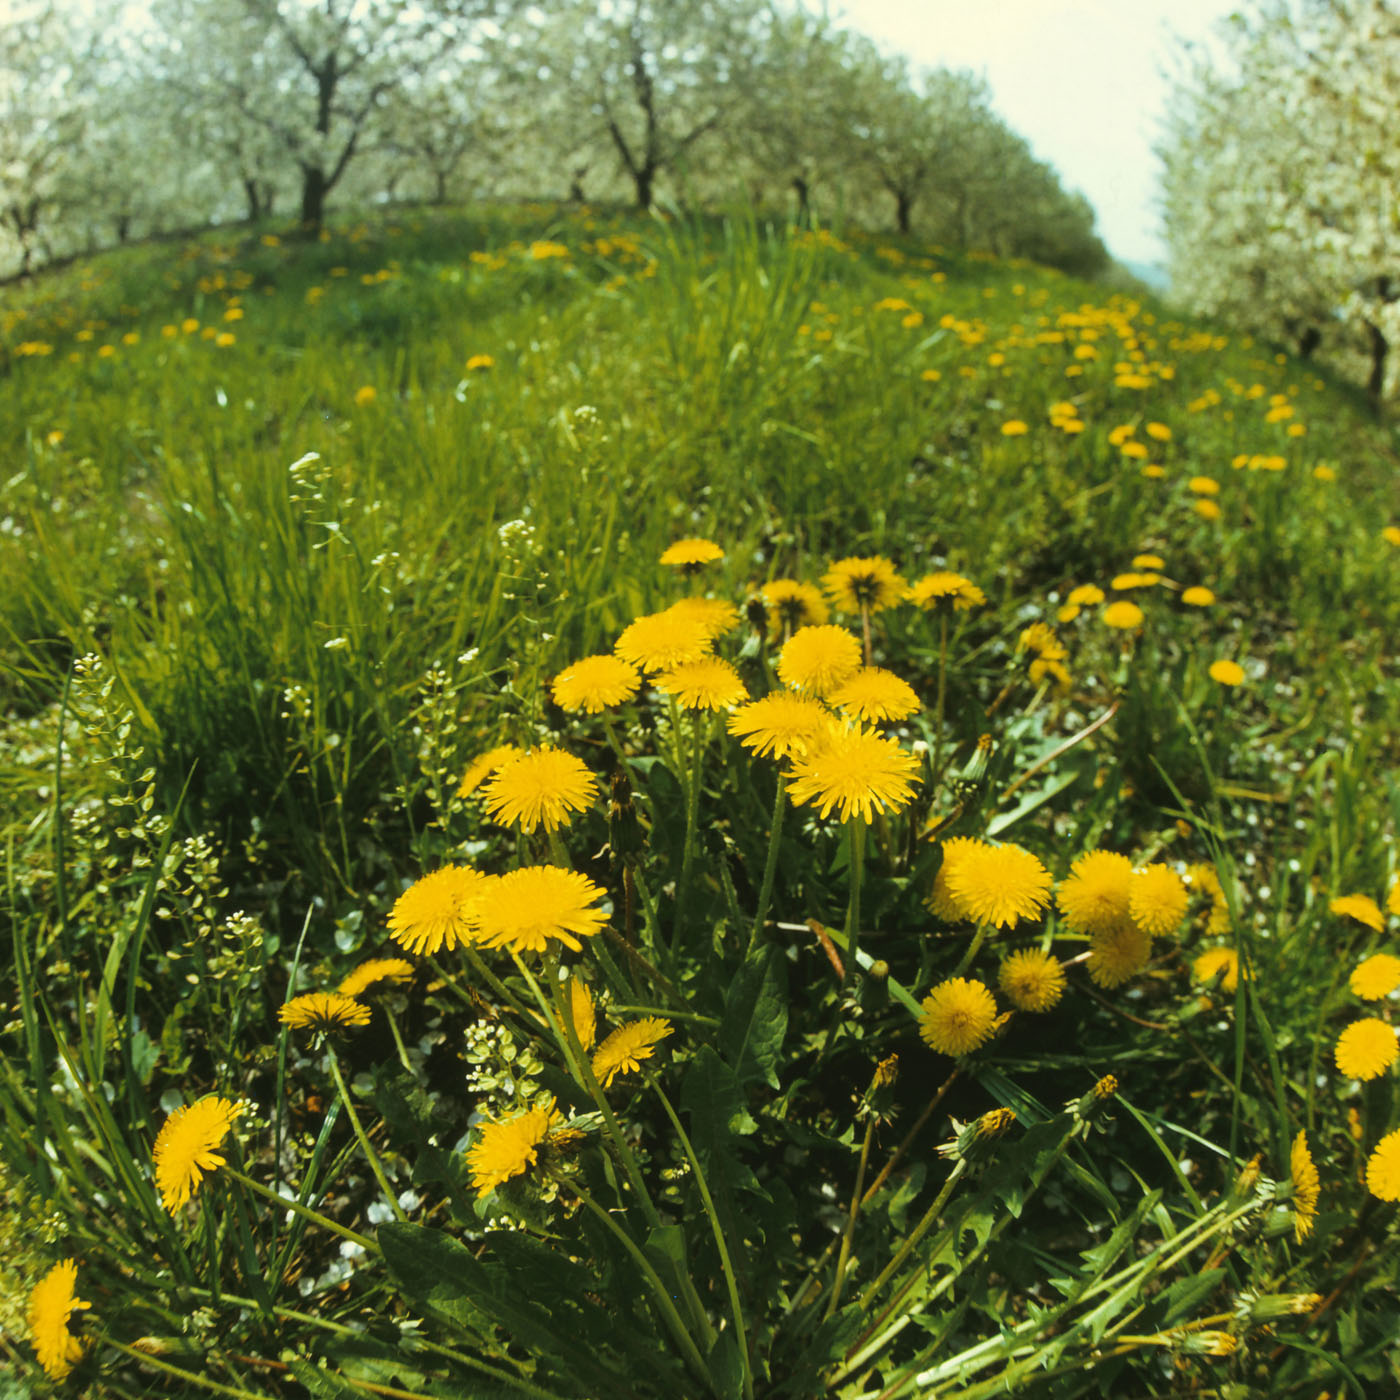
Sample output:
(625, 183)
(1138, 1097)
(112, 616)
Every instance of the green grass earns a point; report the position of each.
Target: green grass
(299, 656)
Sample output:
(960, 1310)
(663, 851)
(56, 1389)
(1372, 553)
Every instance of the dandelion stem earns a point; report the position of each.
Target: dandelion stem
(938, 703)
(663, 1296)
(146, 1359)
(848, 1234)
(919, 1231)
(305, 1212)
(770, 864)
(855, 830)
(370, 1155)
(973, 949)
(692, 819)
(865, 628)
(398, 1039)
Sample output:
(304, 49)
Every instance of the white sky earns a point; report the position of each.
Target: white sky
(1081, 80)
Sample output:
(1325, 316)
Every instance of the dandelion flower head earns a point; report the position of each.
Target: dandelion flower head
(438, 911)
(1226, 672)
(1375, 977)
(959, 1015)
(525, 908)
(323, 1011)
(1031, 980)
(1367, 1048)
(625, 1049)
(708, 684)
(595, 683)
(1118, 954)
(1122, 616)
(716, 615)
(659, 641)
(1197, 596)
(376, 970)
(796, 604)
(817, 659)
(873, 693)
(855, 770)
(506, 1149)
(483, 766)
(780, 724)
(1156, 899)
(870, 582)
(947, 590)
(1360, 907)
(1383, 1168)
(692, 553)
(940, 898)
(185, 1147)
(544, 788)
(1392, 900)
(51, 1307)
(584, 1011)
(1094, 897)
(1306, 1187)
(999, 885)
(1218, 962)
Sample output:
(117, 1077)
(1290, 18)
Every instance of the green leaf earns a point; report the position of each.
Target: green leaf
(756, 1016)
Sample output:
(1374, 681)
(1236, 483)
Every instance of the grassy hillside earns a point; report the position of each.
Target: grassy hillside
(294, 534)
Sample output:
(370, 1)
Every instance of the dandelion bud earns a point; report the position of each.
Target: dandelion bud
(1210, 1342)
(1251, 1307)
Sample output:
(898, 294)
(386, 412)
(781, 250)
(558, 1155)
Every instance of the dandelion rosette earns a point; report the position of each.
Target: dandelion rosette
(780, 724)
(999, 885)
(625, 1049)
(51, 1307)
(595, 684)
(1093, 898)
(707, 684)
(1366, 1049)
(816, 660)
(1383, 1168)
(959, 1015)
(1031, 979)
(854, 770)
(524, 909)
(874, 694)
(185, 1147)
(323, 1011)
(1306, 1187)
(438, 911)
(1156, 899)
(870, 583)
(510, 1147)
(544, 788)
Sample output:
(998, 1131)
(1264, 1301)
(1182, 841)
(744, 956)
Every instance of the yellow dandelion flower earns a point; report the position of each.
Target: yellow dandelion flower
(543, 788)
(1123, 582)
(707, 684)
(1122, 616)
(584, 1011)
(1040, 638)
(716, 615)
(1118, 954)
(1360, 907)
(392, 970)
(1093, 898)
(659, 641)
(184, 1147)
(365, 394)
(1086, 595)
(874, 694)
(476, 362)
(780, 724)
(856, 770)
(945, 589)
(1375, 977)
(869, 582)
(1366, 1049)
(323, 1011)
(1391, 534)
(482, 767)
(999, 885)
(1383, 1168)
(51, 1307)
(795, 604)
(1206, 509)
(438, 911)
(525, 908)
(1156, 899)
(1204, 486)
(1392, 900)
(1031, 980)
(1197, 596)
(1149, 561)
(1227, 672)
(625, 1049)
(1160, 431)
(940, 898)
(1014, 427)
(507, 1148)
(959, 1015)
(692, 553)
(1306, 1187)
(1218, 962)
(595, 684)
(817, 659)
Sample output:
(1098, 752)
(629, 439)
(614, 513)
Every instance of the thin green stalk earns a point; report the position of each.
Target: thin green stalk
(146, 1359)
(692, 821)
(735, 1307)
(919, 1231)
(855, 830)
(663, 1296)
(370, 1155)
(972, 950)
(770, 864)
(938, 703)
(398, 1039)
(297, 1208)
(848, 1234)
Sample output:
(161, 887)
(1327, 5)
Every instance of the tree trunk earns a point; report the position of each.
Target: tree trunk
(1308, 342)
(440, 187)
(313, 198)
(903, 209)
(644, 179)
(804, 201)
(1380, 349)
(123, 227)
(253, 195)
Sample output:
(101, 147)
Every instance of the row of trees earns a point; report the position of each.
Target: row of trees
(1282, 179)
(115, 119)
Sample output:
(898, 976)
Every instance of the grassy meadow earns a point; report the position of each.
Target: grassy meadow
(1027, 1028)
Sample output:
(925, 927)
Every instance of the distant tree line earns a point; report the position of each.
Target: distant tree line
(1282, 180)
(118, 120)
